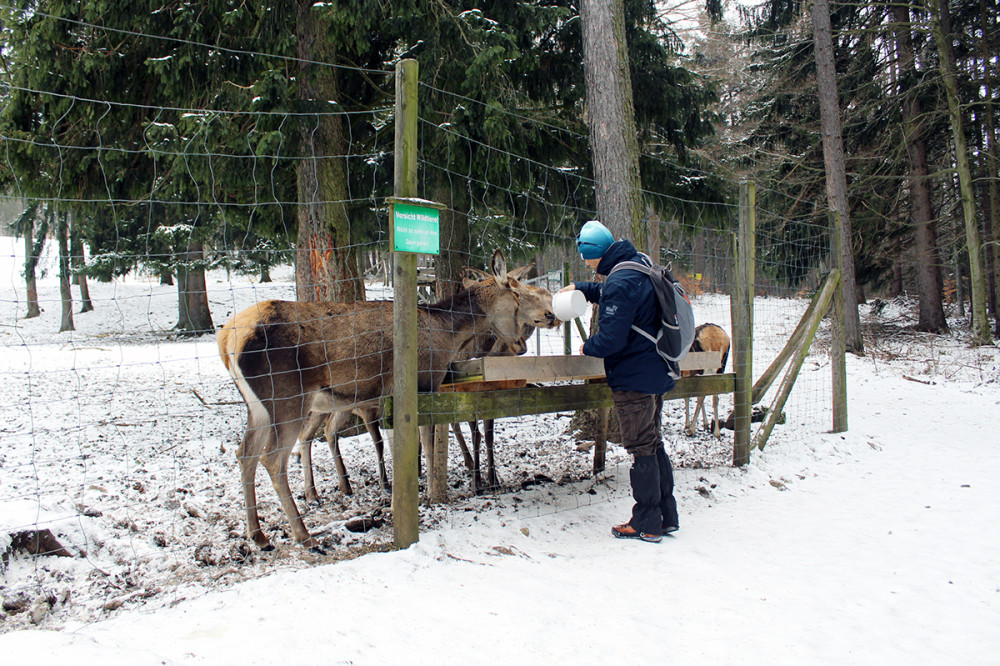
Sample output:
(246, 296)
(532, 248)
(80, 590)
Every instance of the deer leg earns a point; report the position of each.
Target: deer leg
(700, 407)
(275, 461)
(460, 436)
(248, 455)
(305, 453)
(716, 427)
(491, 468)
(371, 424)
(477, 479)
(334, 424)
(688, 422)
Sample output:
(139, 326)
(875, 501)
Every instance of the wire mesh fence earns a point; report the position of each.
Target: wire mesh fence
(121, 431)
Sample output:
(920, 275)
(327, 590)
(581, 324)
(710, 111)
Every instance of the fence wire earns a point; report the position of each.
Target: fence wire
(120, 434)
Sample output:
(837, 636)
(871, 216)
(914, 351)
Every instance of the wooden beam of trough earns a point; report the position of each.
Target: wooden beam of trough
(441, 408)
(554, 368)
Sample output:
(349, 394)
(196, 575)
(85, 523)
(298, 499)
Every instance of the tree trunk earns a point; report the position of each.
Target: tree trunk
(455, 245)
(992, 167)
(32, 251)
(614, 142)
(326, 264)
(194, 315)
(65, 292)
(166, 277)
(77, 262)
(265, 274)
(941, 27)
(931, 308)
(959, 285)
(834, 162)
(655, 226)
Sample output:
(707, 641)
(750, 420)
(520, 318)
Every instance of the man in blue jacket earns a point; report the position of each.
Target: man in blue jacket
(636, 374)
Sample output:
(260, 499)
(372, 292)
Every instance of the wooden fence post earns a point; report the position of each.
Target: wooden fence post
(838, 347)
(405, 440)
(741, 304)
(567, 332)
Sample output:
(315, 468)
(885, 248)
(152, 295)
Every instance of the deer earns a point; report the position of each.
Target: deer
(534, 294)
(290, 358)
(535, 311)
(707, 337)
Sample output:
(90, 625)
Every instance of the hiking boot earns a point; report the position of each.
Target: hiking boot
(667, 529)
(626, 531)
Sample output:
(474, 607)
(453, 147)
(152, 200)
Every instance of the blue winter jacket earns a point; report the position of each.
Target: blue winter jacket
(631, 362)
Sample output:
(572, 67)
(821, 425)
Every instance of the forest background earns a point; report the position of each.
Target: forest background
(178, 137)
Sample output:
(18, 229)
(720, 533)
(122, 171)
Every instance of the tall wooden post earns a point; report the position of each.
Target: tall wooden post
(405, 439)
(567, 333)
(838, 347)
(741, 304)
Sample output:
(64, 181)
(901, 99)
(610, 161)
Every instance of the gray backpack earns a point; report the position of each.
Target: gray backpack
(676, 333)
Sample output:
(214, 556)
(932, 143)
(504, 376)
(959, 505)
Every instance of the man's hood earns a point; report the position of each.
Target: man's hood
(619, 251)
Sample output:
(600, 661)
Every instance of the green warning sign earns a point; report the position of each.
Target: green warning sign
(416, 229)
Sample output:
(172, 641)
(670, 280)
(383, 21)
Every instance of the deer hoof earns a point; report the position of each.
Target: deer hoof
(263, 542)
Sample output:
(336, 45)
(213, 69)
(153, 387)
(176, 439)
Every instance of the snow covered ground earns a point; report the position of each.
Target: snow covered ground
(876, 546)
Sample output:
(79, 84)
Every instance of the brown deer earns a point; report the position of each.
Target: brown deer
(707, 337)
(289, 359)
(535, 311)
(538, 296)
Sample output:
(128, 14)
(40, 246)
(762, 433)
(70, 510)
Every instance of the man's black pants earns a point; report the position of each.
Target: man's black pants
(652, 477)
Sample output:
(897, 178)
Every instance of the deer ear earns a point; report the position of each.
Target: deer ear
(499, 267)
(474, 274)
(521, 271)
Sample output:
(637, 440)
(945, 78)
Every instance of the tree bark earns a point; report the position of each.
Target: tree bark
(326, 264)
(992, 169)
(931, 309)
(455, 244)
(941, 27)
(194, 315)
(32, 251)
(77, 263)
(614, 142)
(833, 159)
(65, 292)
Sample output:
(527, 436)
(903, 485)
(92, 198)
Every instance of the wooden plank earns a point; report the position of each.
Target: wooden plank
(705, 360)
(476, 384)
(439, 408)
(554, 368)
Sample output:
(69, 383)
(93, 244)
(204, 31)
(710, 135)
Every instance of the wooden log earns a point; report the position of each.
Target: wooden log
(36, 542)
(406, 440)
(451, 407)
(741, 304)
(437, 468)
(765, 381)
(831, 285)
(567, 329)
(838, 344)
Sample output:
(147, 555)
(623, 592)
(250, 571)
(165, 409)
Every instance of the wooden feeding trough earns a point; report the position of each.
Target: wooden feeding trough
(497, 387)
(505, 386)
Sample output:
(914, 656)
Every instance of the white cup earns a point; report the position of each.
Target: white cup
(568, 305)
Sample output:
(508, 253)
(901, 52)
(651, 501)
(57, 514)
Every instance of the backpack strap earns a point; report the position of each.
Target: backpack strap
(647, 270)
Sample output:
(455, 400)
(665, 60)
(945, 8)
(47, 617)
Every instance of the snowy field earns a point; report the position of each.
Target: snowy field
(874, 546)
